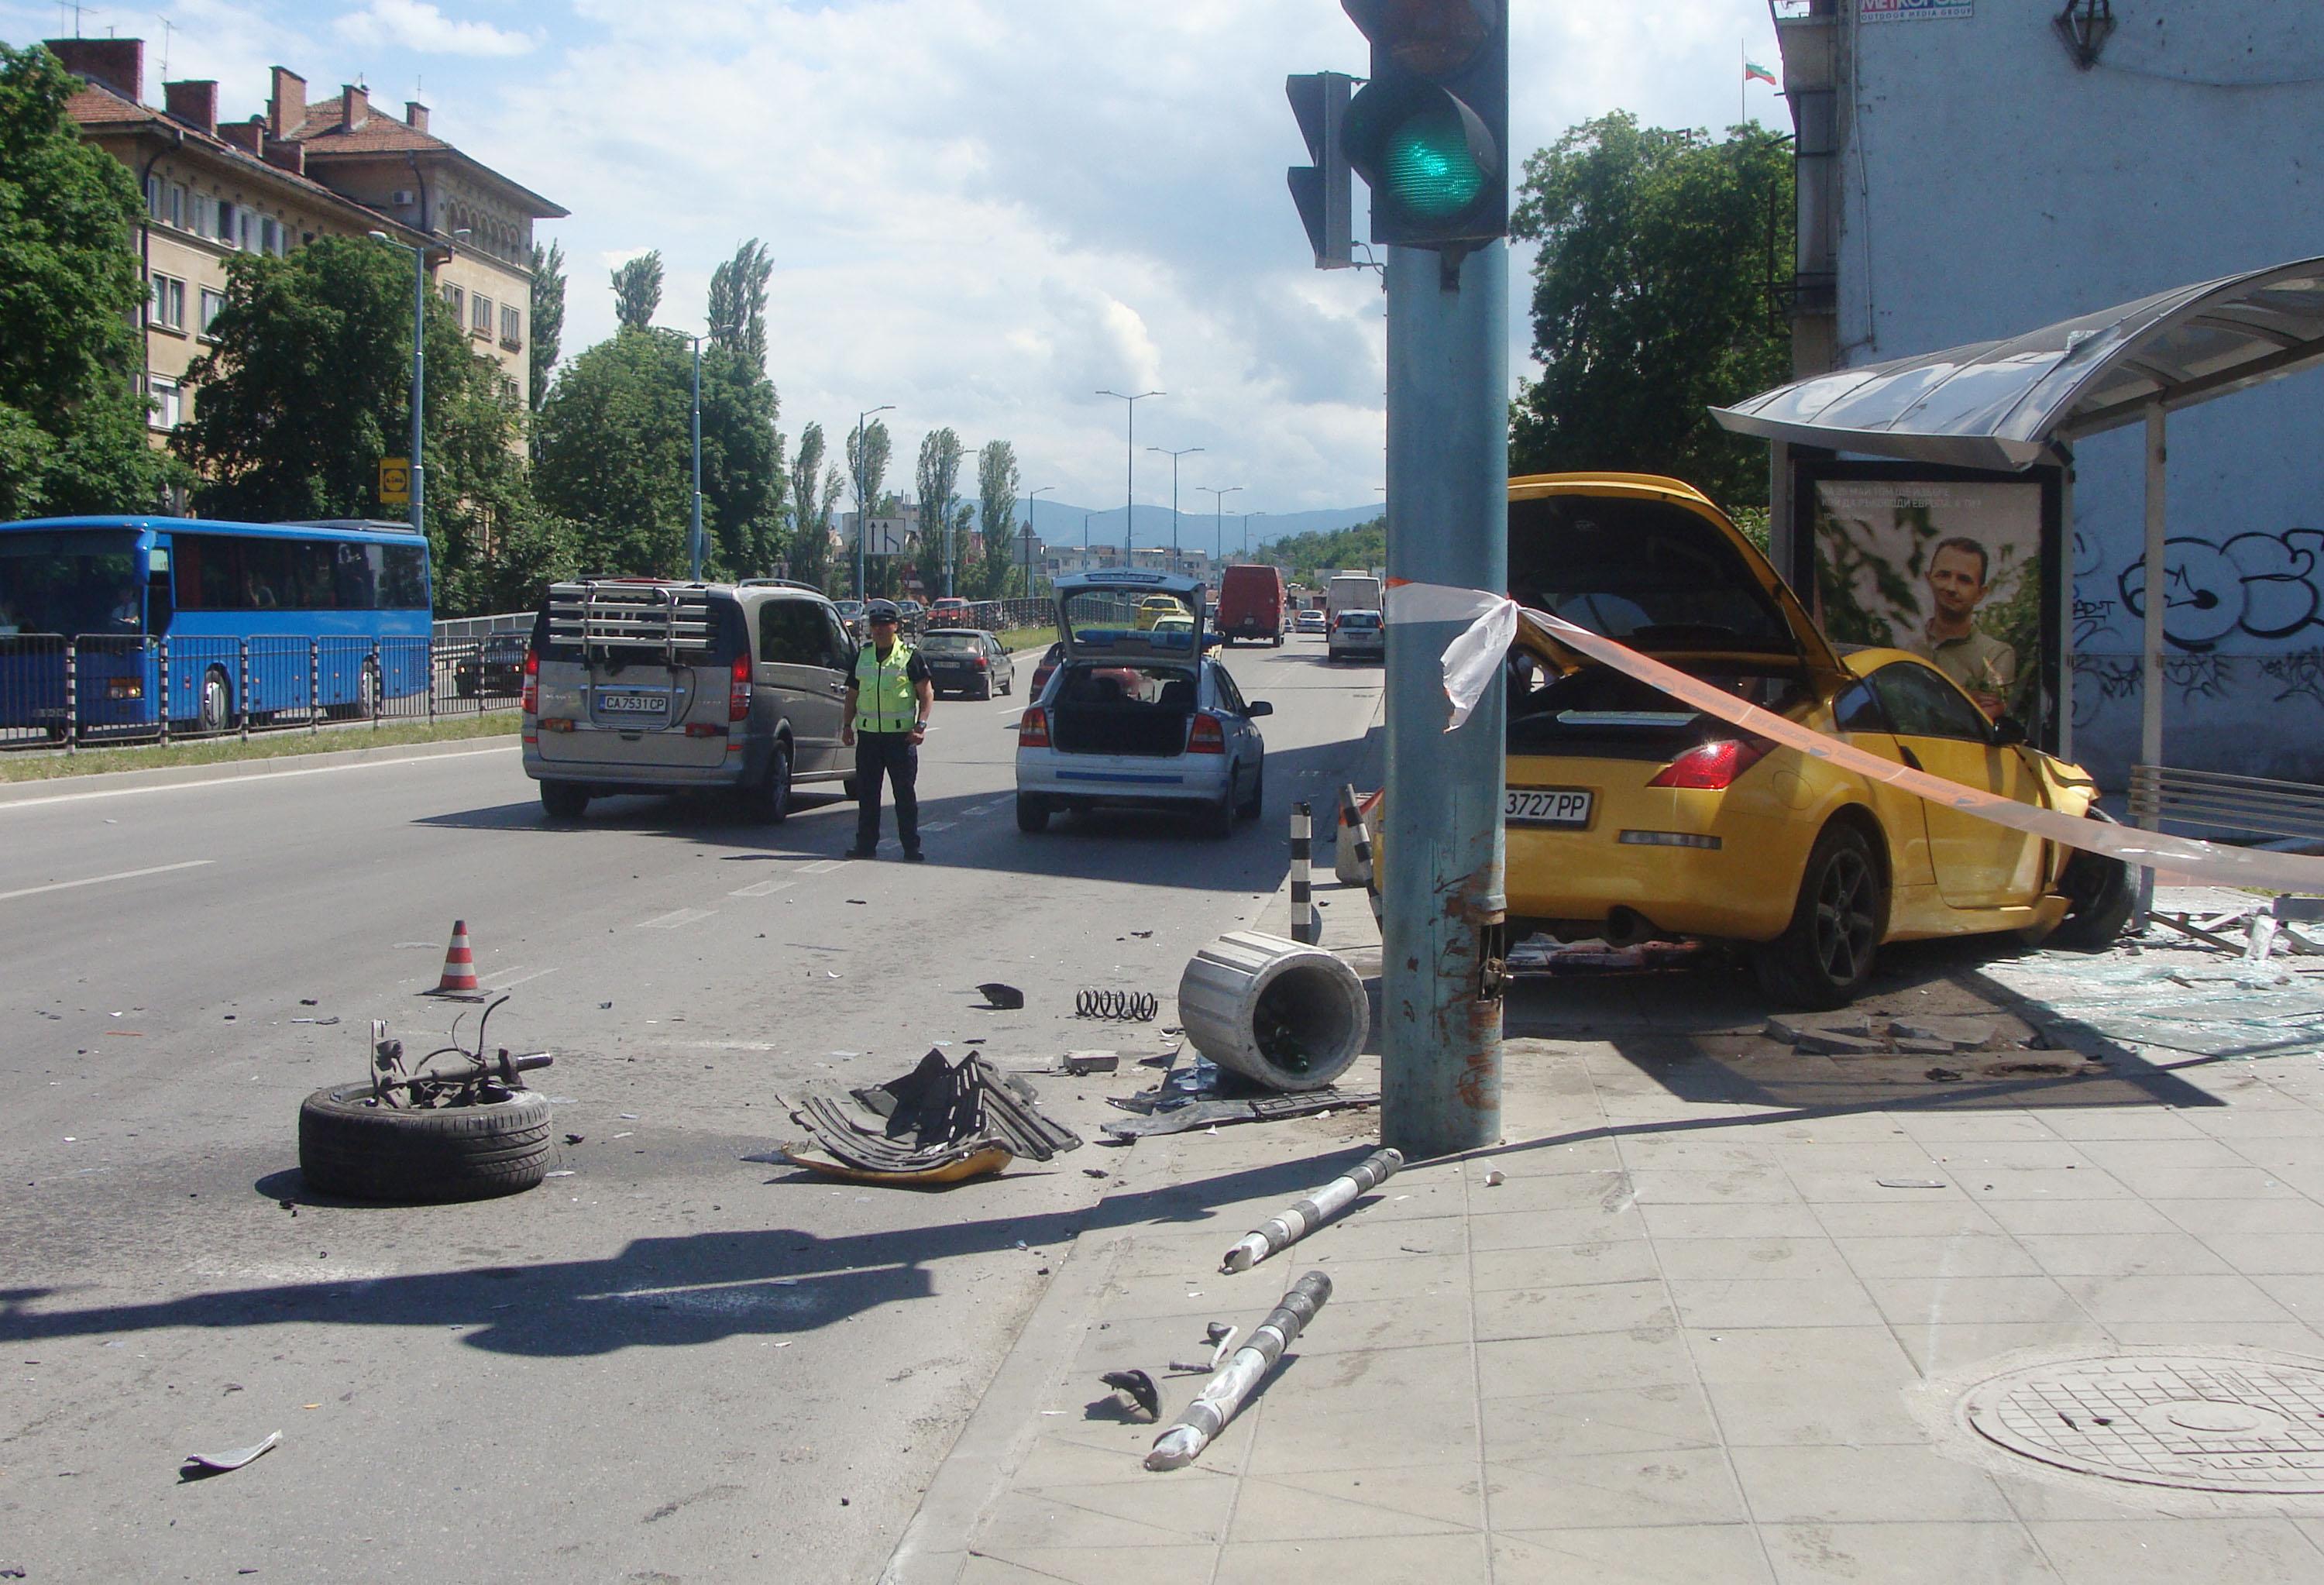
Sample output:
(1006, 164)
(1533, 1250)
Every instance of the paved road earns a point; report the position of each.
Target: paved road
(670, 1364)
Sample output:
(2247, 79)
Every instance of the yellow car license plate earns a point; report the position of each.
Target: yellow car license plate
(1546, 805)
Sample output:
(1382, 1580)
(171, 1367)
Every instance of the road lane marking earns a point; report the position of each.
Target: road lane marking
(822, 866)
(102, 879)
(761, 889)
(671, 921)
(939, 825)
(500, 984)
(124, 792)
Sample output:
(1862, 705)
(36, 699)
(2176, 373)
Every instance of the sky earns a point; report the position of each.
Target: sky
(981, 211)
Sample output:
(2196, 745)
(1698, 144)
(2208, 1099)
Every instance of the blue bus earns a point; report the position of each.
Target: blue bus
(232, 621)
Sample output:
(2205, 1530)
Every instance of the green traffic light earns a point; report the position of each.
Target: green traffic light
(1429, 168)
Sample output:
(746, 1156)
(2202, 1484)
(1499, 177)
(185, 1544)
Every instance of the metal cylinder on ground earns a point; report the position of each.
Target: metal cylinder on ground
(1302, 1217)
(1224, 1392)
(1303, 893)
(1289, 1015)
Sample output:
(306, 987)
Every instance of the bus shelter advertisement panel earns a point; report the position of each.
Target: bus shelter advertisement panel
(1949, 570)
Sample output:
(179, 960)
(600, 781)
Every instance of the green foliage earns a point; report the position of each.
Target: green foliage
(738, 303)
(548, 316)
(867, 470)
(742, 464)
(996, 514)
(308, 385)
(1364, 546)
(938, 478)
(810, 501)
(72, 423)
(637, 291)
(1650, 302)
(613, 452)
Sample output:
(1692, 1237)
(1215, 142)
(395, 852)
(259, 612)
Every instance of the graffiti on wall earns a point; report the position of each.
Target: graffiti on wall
(2256, 585)
(2300, 675)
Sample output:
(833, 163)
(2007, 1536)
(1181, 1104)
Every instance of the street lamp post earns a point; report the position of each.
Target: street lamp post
(1173, 457)
(1030, 500)
(862, 506)
(1130, 494)
(1246, 531)
(419, 252)
(1218, 518)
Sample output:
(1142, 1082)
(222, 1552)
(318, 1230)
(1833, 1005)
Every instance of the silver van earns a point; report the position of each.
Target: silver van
(650, 685)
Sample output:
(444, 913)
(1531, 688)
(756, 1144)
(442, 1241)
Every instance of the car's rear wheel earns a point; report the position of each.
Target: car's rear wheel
(1032, 814)
(1825, 955)
(1258, 798)
(984, 689)
(1219, 818)
(563, 800)
(769, 800)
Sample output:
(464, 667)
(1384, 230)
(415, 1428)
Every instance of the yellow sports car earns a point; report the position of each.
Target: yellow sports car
(1630, 815)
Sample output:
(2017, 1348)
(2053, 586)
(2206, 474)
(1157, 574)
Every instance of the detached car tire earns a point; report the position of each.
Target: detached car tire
(350, 1146)
(1825, 955)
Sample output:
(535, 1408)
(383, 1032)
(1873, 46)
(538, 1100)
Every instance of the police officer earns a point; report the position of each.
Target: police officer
(889, 699)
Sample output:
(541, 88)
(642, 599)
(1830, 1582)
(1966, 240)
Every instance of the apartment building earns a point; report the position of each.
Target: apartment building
(279, 179)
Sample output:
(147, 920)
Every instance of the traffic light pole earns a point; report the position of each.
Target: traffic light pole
(1445, 912)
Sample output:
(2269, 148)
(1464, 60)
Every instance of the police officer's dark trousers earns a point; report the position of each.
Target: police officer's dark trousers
(892, 755)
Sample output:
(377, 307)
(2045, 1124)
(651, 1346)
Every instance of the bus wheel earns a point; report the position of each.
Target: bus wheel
(217, 701)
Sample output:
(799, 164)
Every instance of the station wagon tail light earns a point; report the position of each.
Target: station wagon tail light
(532, 682)
(1207, 736)
(1033, 729)
(737, 692)
(1713, 767)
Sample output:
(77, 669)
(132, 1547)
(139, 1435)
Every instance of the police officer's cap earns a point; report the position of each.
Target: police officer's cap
(883, 611)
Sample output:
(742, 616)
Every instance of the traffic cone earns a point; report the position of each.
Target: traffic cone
(459, 964)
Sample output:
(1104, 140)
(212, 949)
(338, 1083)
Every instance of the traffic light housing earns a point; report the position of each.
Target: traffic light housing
(1319, 100)
(1430, 131)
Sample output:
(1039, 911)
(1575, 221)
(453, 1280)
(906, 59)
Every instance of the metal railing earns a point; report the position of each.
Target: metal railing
(2252, 804)
(99, 689)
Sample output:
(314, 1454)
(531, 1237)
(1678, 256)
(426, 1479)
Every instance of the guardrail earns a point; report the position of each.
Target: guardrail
(98, 689)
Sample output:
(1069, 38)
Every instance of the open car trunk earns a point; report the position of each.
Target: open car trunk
(1135, 710)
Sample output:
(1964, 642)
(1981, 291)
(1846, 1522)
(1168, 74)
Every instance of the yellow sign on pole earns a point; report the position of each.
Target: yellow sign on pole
(395, 480)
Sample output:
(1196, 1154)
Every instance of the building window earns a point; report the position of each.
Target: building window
(270, 235)
(153, 197)
(205, 216)
(177, 216)
(168, 307)
(167, 402)
(249, 219)
(453, 295)
(512, 327)
(480, 313)
(212, 302)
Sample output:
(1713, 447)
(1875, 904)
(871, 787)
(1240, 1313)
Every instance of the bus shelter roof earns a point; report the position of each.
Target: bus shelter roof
(2002, 404)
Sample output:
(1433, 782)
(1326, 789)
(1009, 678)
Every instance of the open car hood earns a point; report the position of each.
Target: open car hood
(1097, 615)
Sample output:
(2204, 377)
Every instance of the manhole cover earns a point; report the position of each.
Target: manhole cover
(2208, 1424)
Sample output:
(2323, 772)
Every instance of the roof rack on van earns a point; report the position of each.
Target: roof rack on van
(778, 584)
(608, 614)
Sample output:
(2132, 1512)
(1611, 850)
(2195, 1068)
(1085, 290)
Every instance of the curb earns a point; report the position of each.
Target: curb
(55, 787)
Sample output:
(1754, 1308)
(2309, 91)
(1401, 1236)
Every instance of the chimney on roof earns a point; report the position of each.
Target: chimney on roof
(286, 111)
(194, 102)
(355, 107)
(249, 136)
(118, 64)
(289, 153)
(415, 116)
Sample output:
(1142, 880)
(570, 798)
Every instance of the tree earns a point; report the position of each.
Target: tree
(811, 502)
(936, 478)
(1650, 300)
(738, 303)
(548, 316)
(1364, 544)
(72, 421)
(613, 452)
(637, 291)
(742, 465)
(996, 514)
(867, 469)
(308, 385)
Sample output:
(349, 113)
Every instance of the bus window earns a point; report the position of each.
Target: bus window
(268, 576)
(403, 585)
(312, 587)
(68, 584)
(354, 575)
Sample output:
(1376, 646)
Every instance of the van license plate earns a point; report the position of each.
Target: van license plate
(634, 704)
(1534, 806)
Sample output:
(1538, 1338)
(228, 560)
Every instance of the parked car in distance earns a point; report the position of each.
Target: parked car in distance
(1137, 716)
(952, 610)
(1250, 604)
(850, 615)
(1308, 621)
(651, 685)
(967, 661)
(1356, 635)
(494, 668)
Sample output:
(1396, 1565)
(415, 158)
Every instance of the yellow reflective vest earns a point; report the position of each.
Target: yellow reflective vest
(883, 690)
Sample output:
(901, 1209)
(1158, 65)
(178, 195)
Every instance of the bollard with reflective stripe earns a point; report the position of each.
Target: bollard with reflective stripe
(72, 697)
(162, 712)
(1303, 904)
(242, 699)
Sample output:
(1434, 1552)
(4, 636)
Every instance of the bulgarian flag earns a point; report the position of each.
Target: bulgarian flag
(1752, 72)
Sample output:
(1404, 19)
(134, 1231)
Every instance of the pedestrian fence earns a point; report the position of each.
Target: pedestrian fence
(1001, 616)
(60, 692)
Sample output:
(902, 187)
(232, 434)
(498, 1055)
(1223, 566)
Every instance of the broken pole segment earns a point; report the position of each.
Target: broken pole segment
(1280, 1232)
(1224, 1392)
(1303, 921)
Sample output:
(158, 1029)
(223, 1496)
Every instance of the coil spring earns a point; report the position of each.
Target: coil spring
(1128, 1006)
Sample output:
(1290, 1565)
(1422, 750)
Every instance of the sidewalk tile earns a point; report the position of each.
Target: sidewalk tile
(1627, 1261)
(1680, 1486)
(1868, 1354)
(1958, 1255)
(2252, 1183)
(2208, 1219)
(1550, 1312)
(1414, 1317)
(2069, 1217)
(1909, 1213)
(1731, 1221)
(2122, 1122)
(1092, 1566)
(1533, 1229)
(1813, 1409)
(1751, 1185)
(2247, 1552)
(1381, 1559)
(2165, 1155)
(1528, 1366)
(2286, 1337)
(2267, 1253)
(1990, 1184)
(1845, 1485)
(2121, 1254)
(1371, 1239)
(1645, 1419)
(1940, 1346)
(1442, 1430)
(1547, 1193)
(1684, 1258)
(1161, 1512)
(1988, 1553)
(1920, 1301)
(1716, 1305)
(1967, 1125)
(1434, 1500)
(1669, 1554)
(2149, 1300)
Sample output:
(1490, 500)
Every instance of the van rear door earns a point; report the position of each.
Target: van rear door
(631, 666)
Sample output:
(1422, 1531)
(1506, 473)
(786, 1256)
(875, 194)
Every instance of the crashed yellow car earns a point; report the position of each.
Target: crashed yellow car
(1630, 815)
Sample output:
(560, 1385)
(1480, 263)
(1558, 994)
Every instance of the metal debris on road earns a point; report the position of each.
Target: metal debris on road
(1256, 1109)
(1909, 1182)
(1004, 997)
(1139, 1386)
(1079, 1062)
(1224, 1392)
(199, 1466)
(939, 1123)
(1135, 1007)
(1304, 1216)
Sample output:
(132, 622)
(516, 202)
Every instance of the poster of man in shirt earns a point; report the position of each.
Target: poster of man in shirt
(1950, 571)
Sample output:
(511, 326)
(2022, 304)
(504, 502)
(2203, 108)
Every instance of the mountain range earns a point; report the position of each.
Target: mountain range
(1058, 522)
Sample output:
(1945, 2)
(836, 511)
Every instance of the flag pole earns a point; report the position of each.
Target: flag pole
(1743, 86)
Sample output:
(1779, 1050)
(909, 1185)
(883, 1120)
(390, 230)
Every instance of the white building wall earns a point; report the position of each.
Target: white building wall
(1988, 187)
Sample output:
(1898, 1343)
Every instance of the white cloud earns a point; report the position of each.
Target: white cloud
(424, 30)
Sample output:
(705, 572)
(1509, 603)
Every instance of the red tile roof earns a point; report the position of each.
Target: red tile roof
(326, 135)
